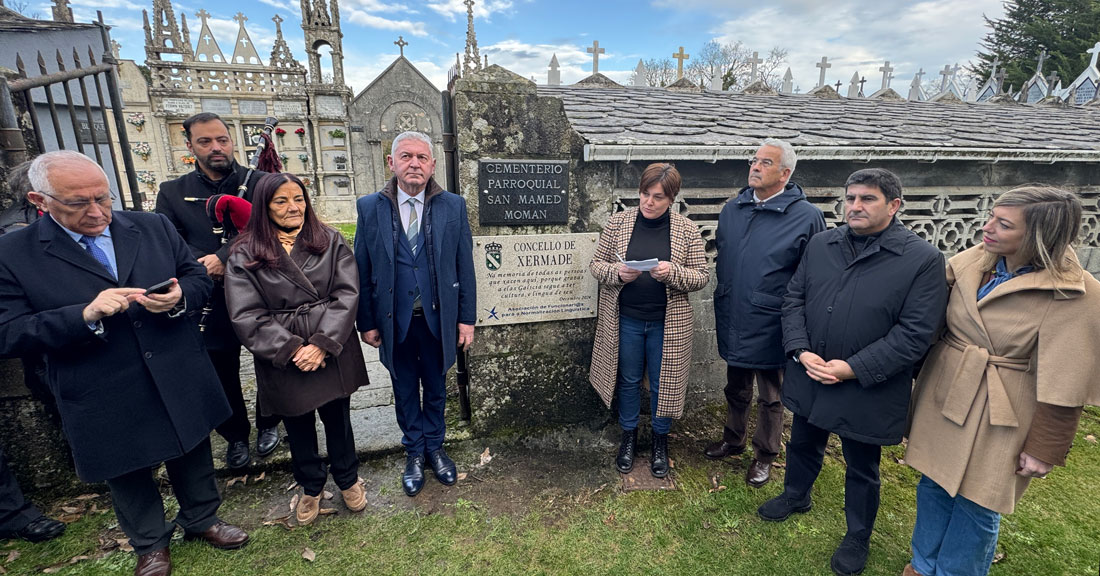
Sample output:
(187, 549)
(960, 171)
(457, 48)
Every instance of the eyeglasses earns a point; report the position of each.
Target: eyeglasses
(103, 201)
(765, 162)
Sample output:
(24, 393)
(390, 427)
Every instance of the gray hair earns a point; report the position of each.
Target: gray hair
(39, 173)
(787, 158)
(415, 136)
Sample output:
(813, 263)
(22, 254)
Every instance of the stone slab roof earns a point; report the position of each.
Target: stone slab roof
(634, 123)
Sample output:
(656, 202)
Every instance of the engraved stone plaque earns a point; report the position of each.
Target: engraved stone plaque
(288, 110)
(217, 105)
(182, 106)
(253, 107)
(330, 106)
(523, 192)
(534, 278)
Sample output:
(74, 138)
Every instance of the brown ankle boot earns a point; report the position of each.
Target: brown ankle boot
(909, 571)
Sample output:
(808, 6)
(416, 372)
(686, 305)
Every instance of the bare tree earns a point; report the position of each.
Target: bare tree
(659, 72)
(769, 70)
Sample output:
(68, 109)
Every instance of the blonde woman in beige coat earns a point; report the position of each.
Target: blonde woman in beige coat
(644, 319)
(998, 400)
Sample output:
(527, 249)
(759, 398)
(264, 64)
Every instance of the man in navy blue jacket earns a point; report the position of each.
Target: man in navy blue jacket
(760, 239)
(416, 297)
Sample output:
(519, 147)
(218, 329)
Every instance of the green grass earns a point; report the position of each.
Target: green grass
(347, 229)
(689, 531)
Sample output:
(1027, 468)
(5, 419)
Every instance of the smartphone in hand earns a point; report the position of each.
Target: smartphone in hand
(160, 288)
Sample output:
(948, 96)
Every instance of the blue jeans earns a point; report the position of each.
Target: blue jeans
(640, 345)
(952, 536)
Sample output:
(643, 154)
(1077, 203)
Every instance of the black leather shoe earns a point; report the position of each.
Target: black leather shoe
(412, 480)
(236, 455)
(624, 462)
(658, 462)
(850, 557)
(266, 441)
(758, 473)
(38, 530)
(443, 467)
(779, 508)
(721, 449)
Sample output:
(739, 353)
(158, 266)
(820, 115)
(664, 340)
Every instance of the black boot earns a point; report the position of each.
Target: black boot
(658, 462)
(625, 461)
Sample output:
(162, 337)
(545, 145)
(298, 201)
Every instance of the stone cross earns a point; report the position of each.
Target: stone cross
(754, 61)
(862, 81)
(680, 57)
(946, 73)
(401, 45)
(1042, 58)
(595, 51)
(886, 69)
(1001, 80)
(203, 15)
(838, 86)
(853, 86)
(996, 63)
(1051, 81)
(1094, 51)
(788, 78)
(240, 17)
(639, 74)
(824, 64)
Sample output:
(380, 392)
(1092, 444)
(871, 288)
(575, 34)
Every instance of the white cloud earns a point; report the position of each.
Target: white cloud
(371, 21)
(450, 9)
(287, 8)
(858, 35)
(374, 6)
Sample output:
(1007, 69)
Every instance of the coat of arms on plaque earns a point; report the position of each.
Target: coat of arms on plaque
(492, 256)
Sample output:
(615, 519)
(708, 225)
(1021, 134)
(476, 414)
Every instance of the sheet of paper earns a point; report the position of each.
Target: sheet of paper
(643, 265)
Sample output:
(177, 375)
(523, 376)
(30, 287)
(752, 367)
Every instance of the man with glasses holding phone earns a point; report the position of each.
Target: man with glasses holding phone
(133, 385)
(761, 235)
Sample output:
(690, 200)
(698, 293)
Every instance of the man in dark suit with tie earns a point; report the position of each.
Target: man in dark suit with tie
(133, 384)
(417, 297)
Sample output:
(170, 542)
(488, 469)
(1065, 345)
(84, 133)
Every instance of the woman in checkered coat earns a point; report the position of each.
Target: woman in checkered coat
(644, 319)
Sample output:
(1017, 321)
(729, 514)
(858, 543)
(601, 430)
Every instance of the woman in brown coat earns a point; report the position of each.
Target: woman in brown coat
(998, 400)
(644, 318)
(292, 290)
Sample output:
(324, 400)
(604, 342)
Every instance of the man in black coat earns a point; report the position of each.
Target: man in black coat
(760, 238)
(861, 310)
(183, 201)
(131, 380)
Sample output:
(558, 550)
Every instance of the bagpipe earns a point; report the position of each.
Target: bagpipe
(229, 213)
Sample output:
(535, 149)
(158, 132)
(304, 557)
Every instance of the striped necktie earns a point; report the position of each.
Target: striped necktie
(413, 229)
(412, 232)
(98, 253)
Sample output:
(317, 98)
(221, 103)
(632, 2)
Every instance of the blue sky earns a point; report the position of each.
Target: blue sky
(521, 35)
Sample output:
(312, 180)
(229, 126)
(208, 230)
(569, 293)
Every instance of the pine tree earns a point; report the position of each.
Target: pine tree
(1065, 28)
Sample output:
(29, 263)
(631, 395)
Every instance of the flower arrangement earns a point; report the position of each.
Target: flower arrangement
(137, 119)
(142, 149)
(280, 132)
(336, 133)
(303, 157)
(188, 159)
(284, 158)
(341, 159)
(300, 131)
(255, 130)
(146, 177)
